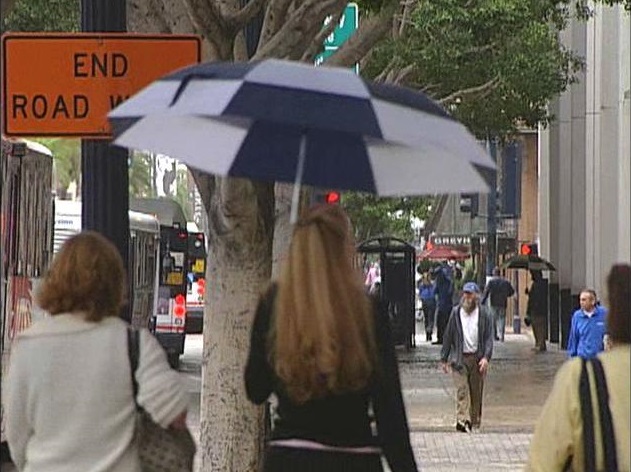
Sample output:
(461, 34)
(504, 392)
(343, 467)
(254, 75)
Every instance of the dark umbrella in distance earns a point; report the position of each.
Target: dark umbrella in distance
(291, 122)
(528, 262)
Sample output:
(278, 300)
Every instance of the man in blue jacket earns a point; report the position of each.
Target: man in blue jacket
(589, 326)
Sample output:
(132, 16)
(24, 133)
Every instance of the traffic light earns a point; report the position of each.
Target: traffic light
(529, 249)
(327, 197)
(469, 203)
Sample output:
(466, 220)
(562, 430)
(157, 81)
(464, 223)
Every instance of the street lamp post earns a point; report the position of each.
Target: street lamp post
(104, 167)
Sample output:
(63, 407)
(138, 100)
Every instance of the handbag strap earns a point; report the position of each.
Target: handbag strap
(588, 418)
(133, 352)
(606, 423)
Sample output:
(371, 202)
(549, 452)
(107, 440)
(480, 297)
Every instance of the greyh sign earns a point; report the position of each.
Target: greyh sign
(454, 240)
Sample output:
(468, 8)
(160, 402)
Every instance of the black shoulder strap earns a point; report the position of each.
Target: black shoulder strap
(588, 418)
(606, 424)
(133, 352)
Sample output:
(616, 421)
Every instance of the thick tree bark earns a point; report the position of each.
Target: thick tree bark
(241, 216)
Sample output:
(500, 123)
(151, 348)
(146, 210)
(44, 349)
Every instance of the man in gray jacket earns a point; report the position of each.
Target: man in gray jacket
(467, 350)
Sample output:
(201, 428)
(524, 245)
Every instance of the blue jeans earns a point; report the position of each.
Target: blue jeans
(429, 311)
(499, 321)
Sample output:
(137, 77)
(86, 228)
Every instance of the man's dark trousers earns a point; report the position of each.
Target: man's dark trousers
(442, 317)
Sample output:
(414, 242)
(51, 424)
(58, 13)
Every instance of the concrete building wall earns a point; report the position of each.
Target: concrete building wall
(585, 177)
(529, 221)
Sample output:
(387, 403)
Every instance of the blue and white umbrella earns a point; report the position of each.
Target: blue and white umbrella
(291, 122)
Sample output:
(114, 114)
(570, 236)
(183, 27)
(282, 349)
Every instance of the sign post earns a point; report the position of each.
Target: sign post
(344, 30)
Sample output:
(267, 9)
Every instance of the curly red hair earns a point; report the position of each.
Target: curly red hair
(87, 277)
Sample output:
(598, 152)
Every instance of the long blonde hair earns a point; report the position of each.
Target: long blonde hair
(322, 336)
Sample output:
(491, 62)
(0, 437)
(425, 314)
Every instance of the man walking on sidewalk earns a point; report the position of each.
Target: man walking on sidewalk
(498, 289)
(467, 350)
(587, 333)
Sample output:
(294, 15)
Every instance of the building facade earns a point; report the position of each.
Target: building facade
(584, 166)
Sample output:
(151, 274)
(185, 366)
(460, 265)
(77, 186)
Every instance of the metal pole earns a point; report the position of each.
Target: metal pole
(491, 238)
(104, 168)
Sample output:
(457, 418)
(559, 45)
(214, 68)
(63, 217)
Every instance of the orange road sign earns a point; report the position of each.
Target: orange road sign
(56, 84)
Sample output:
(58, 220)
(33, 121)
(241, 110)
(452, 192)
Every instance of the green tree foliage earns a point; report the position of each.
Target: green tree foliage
(44, 15)
(182, 193)
(373, 216)
(494, 63)
(67, 161)
(141, 175)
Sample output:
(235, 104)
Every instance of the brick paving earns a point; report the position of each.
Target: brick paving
(516, 387)
(488, 452)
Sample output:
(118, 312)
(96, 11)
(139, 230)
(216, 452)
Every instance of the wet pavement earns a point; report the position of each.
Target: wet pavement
(516, 387)
(515, 390)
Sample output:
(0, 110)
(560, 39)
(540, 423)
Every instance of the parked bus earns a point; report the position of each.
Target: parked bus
(26, 216)
(170, 314)
(144, 245)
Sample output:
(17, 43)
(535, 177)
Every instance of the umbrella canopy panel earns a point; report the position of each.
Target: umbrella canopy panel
(251, 119)
(528, 262)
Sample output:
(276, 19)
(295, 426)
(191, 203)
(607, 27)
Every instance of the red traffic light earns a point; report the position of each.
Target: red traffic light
(525, 249)
(332, 198)
(179, 299)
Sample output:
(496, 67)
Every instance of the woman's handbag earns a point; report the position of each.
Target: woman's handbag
(160, 449)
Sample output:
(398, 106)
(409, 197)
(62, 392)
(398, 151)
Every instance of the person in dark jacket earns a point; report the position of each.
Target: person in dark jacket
(537, 310)
(444, 292)
(320, 345)
(466, 352)
(427, 294)
(497, 291)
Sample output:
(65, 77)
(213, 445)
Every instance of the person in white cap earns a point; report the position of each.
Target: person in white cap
(466, 352)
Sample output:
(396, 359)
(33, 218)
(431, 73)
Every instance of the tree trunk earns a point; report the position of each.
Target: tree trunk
(241, 219)
(239, 267)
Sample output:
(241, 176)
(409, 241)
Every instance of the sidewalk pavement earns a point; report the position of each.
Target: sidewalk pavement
(516, 387)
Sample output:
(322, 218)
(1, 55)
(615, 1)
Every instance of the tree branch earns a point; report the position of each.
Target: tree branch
(300, 25)
(404, 73)
(398, 25)
(207, 19)
(478, 89)
(275, 15)
(316, 44)
(368, 34)
(240, 19)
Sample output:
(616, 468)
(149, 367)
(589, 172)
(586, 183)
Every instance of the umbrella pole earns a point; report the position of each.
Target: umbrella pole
(295, 198)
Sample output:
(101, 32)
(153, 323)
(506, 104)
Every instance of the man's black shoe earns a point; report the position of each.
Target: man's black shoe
(463, 426)
(437, 342)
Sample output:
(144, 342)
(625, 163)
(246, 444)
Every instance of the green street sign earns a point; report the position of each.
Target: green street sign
(345, 29)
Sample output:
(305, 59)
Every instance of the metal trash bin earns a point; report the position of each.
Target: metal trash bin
(398, 290)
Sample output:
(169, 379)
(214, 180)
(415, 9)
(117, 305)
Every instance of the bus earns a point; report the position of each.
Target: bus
(26, 221)
(169, 320)
(196, 282)
(144, 245)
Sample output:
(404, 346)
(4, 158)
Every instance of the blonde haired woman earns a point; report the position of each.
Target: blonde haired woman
(69, 400)
(319, 345)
